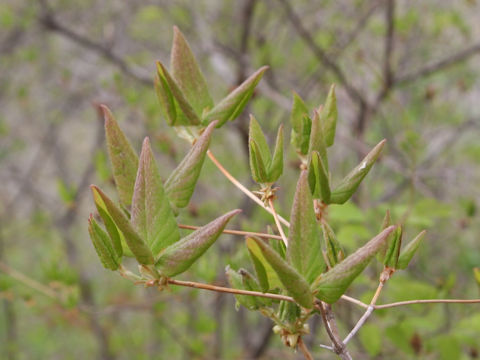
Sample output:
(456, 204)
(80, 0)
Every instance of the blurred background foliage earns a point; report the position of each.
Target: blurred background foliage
(406, 71)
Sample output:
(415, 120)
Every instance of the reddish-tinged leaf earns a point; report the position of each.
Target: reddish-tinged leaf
(304, 238)
(178, 257)
(122, 156)
(152, 216)
(138, 247)
(187, 74)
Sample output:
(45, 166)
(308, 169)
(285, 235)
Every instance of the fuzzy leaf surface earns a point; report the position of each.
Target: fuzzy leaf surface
(103, 245)
(275, 168)
(187, 74)
(291, 279)
(178, 257)
(328, 117)
(335, 252)
(122, 156)
(330, 286)
(393, 250)
(267, 277)
(180, 185)
(317, 140)
(185, 114)
(304, 249)
(318, 178)
(350, 183)
(152, 216)
(407, 253)
(232, 105)
(136, 244)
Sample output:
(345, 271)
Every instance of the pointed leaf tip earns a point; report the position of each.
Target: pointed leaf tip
(331, 285)
(178, 257)
(187, 74)
(123, 158)
(180, 185)
(407, 253)
(351, 182)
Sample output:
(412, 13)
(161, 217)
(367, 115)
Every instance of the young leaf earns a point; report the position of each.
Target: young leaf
(138, 247)
(181, 182)
(236, 282)
(267, 277)
(112, 230)
(407, 253)
(293, 282)
(476, 274)
(335, 252)
(304, 251)
(257, 165)
(255, 134)
(317, 140)
(299, 110)
(350, 183)
(122, 156)
(185, 114)
(393, 251)
(231, 106)
(178, 257)
(187, 74)
(103, 245)
(152, 216)
(166, 99)
(318, 178)
(328, 117)
(250, 283)
(333, 284)
(275, 169)
(387, 221)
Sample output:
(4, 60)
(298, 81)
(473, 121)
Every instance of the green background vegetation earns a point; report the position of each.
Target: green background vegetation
(405, 71)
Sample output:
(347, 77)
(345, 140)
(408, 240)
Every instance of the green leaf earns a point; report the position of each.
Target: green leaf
(236, 281)
(152, 216)
(393, 250)
(136, 244)
(180, 185)
(255, 134)
(387, 221)
(328, 117)
(231, 106)
(122, 156)
(408, 251)
(335, 253)
(350, 183)
(187, 74)
(267, 277)
(318, 178)
(169, 90)
(178, 257)
(293, 282)
(103, 245)
(330, 286)
(166, 99)
(317, 140)
(299, 111)
(275, 168)
(304, 251)
(112, 230)
(257, 165)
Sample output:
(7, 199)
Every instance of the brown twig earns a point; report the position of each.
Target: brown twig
(428, 301)
(277, 222)
(208, 287)
(328, 318)
(303, 348)
(235, 232)
(242, 188)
